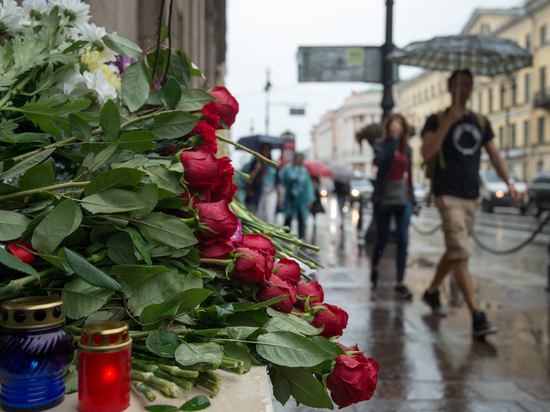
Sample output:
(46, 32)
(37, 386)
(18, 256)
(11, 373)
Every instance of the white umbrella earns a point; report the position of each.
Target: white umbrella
(341, 172)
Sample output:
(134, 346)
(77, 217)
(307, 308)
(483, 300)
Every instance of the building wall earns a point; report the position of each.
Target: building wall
(509, 120)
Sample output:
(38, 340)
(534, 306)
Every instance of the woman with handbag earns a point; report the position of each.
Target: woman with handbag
(393, 195)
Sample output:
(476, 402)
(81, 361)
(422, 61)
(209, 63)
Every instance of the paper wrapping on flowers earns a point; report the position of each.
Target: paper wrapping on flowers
(112, 198)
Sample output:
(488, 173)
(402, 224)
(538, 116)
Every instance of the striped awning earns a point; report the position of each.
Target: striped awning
(482, 55)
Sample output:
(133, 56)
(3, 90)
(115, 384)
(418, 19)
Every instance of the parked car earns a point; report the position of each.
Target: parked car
(420, 193)
(494, 191)
(360, 190)
(538, 194)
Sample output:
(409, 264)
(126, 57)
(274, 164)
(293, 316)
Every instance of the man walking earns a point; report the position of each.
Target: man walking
(453, 140)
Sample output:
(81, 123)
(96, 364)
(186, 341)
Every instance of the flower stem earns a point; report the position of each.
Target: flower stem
(219, 262)
(42, 190)
(246, 149)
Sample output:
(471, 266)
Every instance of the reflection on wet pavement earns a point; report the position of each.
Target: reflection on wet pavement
(434, 364)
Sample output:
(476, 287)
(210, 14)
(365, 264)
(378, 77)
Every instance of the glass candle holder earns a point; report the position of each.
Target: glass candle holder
(35, 350)
(104, 367)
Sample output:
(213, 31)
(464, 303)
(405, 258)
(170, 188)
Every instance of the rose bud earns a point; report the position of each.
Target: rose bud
(288, 269)
(217, 250)
(211, 111)
(278, 287)
(200, 169)
(225, 189)
(353, 380)
(208, 133)
(312, 289)
(227, 105)
(219, 219)
(252, 266)
(257, 241)
(24, 255)
(334, 319)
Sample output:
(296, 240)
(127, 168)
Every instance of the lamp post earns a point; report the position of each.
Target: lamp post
(267, 87)
(387, 66)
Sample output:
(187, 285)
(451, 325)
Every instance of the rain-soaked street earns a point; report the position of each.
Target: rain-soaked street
(434, 364)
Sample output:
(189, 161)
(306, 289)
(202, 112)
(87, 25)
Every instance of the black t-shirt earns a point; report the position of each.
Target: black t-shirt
(461, 151)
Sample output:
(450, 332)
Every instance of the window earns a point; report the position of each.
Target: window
(501, 137)
(528, 42)
(361, 117)
(512, 136)
(541, 130)
(513, 92)
(479, 102)
(527, 87)
(543, 35)
(526, 132)
(502, 90)
(542, 80)
(490, 103)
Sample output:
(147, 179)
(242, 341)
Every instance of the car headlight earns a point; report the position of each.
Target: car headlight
(324, 192)
(355, 192)
(499, 194)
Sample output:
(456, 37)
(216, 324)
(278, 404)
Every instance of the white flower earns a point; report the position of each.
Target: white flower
(97, 82)
(10, 18)
(94, 34)
(33, 9)
(76, 10)
(73, 85)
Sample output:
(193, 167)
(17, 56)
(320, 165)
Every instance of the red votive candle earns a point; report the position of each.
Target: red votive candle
(104, 367)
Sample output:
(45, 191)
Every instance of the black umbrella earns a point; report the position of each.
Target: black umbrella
(255, 142)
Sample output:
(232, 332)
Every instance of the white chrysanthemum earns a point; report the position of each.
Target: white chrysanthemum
(94, 34)
(11, 18)
(73, 85)
(33, 9)
(101, 87)
(76, 10)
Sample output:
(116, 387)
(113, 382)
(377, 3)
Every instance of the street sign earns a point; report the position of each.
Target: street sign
(341, 64)
(297, 112)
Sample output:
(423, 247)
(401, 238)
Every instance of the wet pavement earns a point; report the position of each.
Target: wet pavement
(434, 364)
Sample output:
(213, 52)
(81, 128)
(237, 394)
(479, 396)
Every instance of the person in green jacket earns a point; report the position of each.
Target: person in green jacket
(299, 193)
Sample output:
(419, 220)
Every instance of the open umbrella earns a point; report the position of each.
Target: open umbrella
(341, 172)
(255, 142)
(317, 169)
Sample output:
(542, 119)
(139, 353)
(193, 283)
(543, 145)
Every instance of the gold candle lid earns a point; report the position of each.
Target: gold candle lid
(33, 312)
(106, 336)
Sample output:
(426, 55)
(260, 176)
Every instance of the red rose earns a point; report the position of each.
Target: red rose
(208, 133)
(24, 255)
(257, 241)
(217, 217)
(312, 289)
(278, 287)
(334, 319)
(288, 269)
(211, 112)
(217, 250)
(253, 267)
(169, 152)
(200, 169)
(227, 105)
(353, 380)
(225, 188)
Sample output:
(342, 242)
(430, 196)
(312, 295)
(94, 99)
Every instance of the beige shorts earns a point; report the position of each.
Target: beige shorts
(458, 217)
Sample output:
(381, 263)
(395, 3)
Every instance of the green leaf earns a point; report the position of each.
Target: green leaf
(240, 332)
(198, 403)
(290, 349)
(165, 179)
(281, 385)
(71, 380)
(135, 86)
(41, 175)
(114, 178)
(121, 249)
(288, 322)
(163, 343)
(192, 353)
(246, 306)
(236, 351)
(151, 193)
(122, 45)
(135, 275)
(138, 141)
(89, 272)
(161, 408)
(306, 389)
(140, 249)
(189, 299)
(174, 125)
(102, 157)
(55, 227)
(12, 225)
(156, 290)
(171, 92)
(179, 67)
(114, 201)
(166, 230)
(26, 164)
(13, 262)
(193, 99)
(80, 128)
(109, 120)
(82, 299)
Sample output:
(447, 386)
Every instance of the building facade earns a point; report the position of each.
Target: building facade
(333, 139)
(518, 106)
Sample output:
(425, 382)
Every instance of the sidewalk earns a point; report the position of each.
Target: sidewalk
(428, 363)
